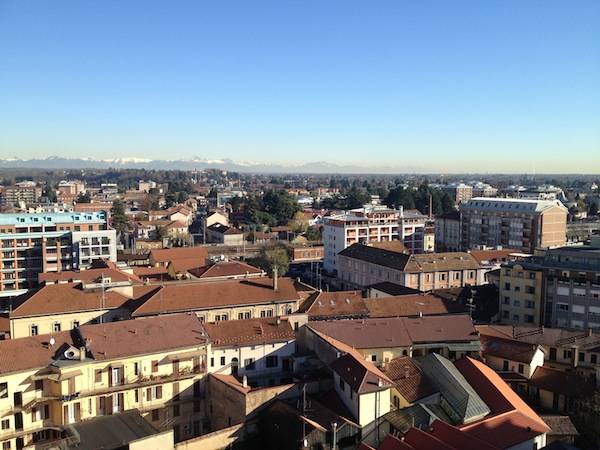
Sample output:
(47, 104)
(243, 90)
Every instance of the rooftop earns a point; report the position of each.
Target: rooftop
(510, 204)
(249, 332)
(47, 219)
(411, 306)
(408, 378)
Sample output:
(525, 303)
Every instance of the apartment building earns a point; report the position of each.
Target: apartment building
(51, 381)
(447, 232)
(519, 224)
(259, 349)
(371, 224)
(25, 191)
(362, 265)
(521, 293)
(459, 192)
(572, 286)
(51, 242)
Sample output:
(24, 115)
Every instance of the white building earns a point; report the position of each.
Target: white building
(371, 224)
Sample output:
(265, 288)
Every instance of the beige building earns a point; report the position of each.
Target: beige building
(154, 365)
(520, 224)
(521, 300)
(363, 265)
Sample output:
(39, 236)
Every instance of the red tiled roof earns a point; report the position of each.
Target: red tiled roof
(335, 304)
(393, 443)
(193, 296)
(150, 335)
(411, 305)
(453, 436)
(89, 275)
(362, 376)
(170, 254)
(508, 349)
(511, 420)
(493, 256)
(226, 269)
(421, 440)
(32, 352)
(64, 298)
(561, 382)
(249, 332)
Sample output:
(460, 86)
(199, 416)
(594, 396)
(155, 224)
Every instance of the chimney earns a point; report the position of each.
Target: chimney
(275, 286)
(245, 381)
(430, 206)
(406, 371)
(81, 353)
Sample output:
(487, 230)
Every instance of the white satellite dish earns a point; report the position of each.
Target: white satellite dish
(52, 341)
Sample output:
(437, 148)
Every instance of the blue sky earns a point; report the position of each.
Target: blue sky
(446, 85)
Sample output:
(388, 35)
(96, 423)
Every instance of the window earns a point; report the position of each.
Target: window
(56, 327)
(594, 359)
(98, 376)
(136, 368)
(373, 358)
(530, 289)
(517, 303)
(562, 306)
(507, 300)
(33, 330)
(521, 368)
(158, 392)
(6, 445)
(504, 365)
(154, 366)
(212, 362)
(566, 354)
(581, 357)
(271, 361)
(39, 385)
(76, 324)
(3, 390)
(137, 395)
(175, 410)
(507, 286)
(222, 360)
(532, 275)
(155, 414)
(552, 354)
(249, 364)
(6, 424)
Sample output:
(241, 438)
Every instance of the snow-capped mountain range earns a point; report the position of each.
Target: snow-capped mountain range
(196, 163)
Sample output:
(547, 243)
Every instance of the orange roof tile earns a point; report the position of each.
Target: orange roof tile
(249, 332)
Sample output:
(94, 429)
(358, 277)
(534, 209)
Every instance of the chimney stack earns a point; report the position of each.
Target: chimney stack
(245, 381)
(81, 353)
(430, 206)
(275, 286)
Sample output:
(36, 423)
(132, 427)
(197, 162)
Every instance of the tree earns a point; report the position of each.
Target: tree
(313, 234)
(119, 218)
(593, 211)
(161, 232)
(274, 256)
(281, 205)
(356, 198)
(50, 192)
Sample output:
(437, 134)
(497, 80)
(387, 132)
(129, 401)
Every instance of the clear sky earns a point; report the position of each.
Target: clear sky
(492, 85)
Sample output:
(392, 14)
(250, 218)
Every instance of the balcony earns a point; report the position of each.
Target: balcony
(45, 425)
(142, 381)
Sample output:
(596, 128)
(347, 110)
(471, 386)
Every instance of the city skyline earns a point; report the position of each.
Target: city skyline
(442, 88)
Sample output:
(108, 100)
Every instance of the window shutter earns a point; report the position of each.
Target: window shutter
(109, 376)
(108, 404)
(33, 414)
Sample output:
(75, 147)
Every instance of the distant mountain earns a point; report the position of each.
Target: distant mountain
(197, 163)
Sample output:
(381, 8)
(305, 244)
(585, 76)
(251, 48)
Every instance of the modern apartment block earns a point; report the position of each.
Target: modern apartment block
(513, 223)
(371, 224)
(559, 289)
(447, 232)
(572, 286)
(26, 191)
(51, 242)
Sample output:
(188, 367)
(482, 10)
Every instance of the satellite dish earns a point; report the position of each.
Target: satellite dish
(52, 341)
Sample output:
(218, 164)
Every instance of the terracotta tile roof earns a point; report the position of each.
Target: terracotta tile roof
(89, 275)
(393, 443)
(408, 378)
(150, 335)
(411, 305)
(494, 256)
(561, 382)
(226, 269)
(511, 420)
(432, 262)
(249, 332)
(399, 331)
(508, 349)
(335, 304)
(362, 376)
(420, 440)
(63, 298)
(230, 381)
(560, 425)
(453, 436)
(184, 265)
(149, 271)
(32, 352)
(193, 296)
(392, 246)
(169, 254)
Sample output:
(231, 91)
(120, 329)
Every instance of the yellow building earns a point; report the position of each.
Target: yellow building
(521, 293)
(155, 365)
